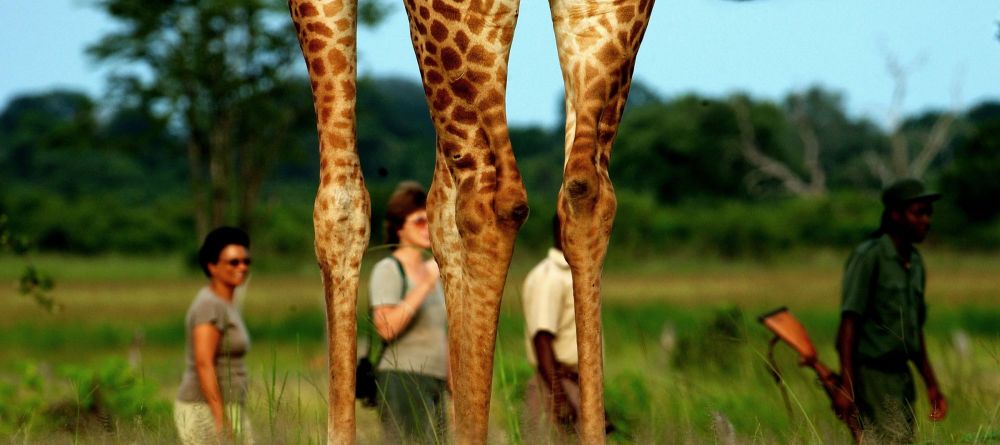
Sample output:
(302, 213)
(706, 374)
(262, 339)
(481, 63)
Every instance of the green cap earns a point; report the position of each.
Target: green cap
(905, 191)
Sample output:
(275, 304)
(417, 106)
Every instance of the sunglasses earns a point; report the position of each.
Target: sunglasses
(419, 221)
(235, 262)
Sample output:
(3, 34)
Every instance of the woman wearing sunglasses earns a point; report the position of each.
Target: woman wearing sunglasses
(210, 401)
(409, 315)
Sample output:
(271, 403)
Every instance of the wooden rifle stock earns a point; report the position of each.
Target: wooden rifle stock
(788, 329)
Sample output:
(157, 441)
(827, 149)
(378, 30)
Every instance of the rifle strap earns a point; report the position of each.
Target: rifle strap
(778, 378)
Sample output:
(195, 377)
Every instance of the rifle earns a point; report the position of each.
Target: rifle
(787, 328)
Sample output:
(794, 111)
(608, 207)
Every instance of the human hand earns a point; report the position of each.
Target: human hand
(843, 404)
(939, 405)
(563, 411)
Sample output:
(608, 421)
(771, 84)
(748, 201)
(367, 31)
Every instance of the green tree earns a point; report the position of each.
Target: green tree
(219, 71)
(680, 149)
(972, 181)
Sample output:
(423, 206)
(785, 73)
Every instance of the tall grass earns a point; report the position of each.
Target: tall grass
(674, 373)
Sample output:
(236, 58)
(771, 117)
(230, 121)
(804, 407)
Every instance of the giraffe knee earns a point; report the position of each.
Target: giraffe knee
(512, 207)
(580, 189)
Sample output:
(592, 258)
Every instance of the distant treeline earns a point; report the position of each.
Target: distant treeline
(731, 176)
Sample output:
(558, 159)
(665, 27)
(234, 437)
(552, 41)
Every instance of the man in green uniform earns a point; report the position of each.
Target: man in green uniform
(882, 319)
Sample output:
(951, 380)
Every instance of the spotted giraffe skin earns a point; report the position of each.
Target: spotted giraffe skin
(327, 34)
(477, 201)
(598, 42)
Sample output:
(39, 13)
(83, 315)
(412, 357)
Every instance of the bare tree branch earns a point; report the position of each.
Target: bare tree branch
(812, 148)
(763, 162)
(878, 168)
(939, 136)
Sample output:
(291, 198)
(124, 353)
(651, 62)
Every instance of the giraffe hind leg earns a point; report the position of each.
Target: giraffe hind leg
(597, 48)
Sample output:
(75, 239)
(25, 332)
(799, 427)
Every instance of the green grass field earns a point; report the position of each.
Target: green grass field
(685, 356)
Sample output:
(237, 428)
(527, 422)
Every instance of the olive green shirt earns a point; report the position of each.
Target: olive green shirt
(889, 299)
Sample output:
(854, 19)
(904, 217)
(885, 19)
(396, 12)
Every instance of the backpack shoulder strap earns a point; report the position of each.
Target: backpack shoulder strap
(371, 314)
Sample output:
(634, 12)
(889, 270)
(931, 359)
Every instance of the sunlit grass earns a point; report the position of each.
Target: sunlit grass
(110, 303)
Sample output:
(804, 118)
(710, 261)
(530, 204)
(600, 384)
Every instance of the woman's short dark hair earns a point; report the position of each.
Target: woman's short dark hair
(215, 241)
(408, 197)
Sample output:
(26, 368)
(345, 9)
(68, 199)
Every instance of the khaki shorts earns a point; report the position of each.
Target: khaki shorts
(196, 426)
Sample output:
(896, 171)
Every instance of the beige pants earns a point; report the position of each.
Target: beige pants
(196, 426)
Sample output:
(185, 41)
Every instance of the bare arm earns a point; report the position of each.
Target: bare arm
(939, 406)
(847, 342)
(206, 340)
(391, 320)
(548, 366)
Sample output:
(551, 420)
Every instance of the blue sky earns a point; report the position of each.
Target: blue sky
(713, 47)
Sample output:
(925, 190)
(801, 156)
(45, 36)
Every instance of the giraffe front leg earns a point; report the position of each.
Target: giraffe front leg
(327, 34)
(477, 202)
(598, 42)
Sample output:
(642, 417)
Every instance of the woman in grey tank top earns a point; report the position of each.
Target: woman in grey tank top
(210, 400)
(409, 315)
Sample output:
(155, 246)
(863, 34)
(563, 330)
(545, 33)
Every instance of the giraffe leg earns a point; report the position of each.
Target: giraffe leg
(327, 35)
(477, 201)
(597, 42)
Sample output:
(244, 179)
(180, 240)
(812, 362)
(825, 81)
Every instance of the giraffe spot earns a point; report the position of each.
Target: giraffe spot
(465, 162)
(645, 5)
(429, 61)
(487, 188)
(462, 40)
(451, 150)
(433, 77)
(450, 13)
(482, 141)
(636, 32)
(333, 8)
(438, 31)
(343, 24)
(338, 62)
(325, 114)
(335, 142)
(421, 29)
(441, 100)
(604, 161)
(464, 90)
(477, 77)
(609, 54)
(489, 179)
(430, 47)
(467, 185)
(307, 10)
(624, 14)
(348, 86)
(315, 45)
(468, 226)
(464, 115)
(480, 56)
(324, 181)
(453, 130)
(320, 29)
(475, 24)
(317, 66)
(347, 41)
(491, 100)
(450, 58)
(425, 13)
